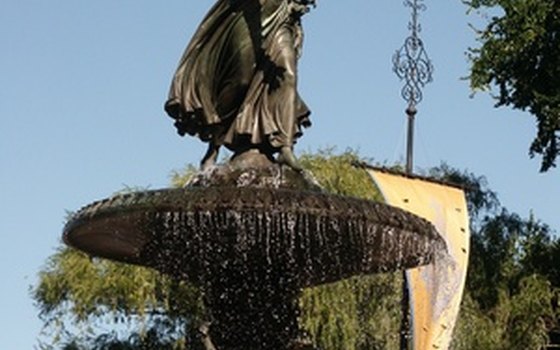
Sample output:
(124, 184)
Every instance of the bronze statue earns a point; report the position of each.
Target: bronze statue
(236, 84)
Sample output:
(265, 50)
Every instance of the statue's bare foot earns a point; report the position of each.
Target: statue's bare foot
(210, 157)
(288, 158)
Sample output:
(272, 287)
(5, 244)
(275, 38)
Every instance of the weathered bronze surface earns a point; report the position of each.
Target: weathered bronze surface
(236, 84)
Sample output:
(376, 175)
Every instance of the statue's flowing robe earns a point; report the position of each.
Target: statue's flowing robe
(236, 82)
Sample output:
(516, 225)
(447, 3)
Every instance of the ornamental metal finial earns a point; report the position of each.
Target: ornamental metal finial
(411, 62)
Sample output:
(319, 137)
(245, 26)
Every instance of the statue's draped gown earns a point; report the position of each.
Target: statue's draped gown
(236, 82)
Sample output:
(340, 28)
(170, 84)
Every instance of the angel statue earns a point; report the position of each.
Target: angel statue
(236, 84)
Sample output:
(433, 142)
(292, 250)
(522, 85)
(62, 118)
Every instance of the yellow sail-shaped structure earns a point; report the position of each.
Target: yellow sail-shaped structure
(435, 290)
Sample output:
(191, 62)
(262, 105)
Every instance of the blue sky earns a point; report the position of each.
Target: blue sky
(82, 84)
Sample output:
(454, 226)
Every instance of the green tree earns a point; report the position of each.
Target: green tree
(511, 296)
(79, 297)
(519, 55)
(511, 300)
(508, 293)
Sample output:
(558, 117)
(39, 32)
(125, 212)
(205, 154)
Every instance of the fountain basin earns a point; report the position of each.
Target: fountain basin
(314, 237)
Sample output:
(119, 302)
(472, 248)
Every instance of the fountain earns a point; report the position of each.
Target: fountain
(251, 238)
(253, 232)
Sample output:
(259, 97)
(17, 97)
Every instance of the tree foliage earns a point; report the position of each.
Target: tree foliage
(511, 296)
(511, 299)
(78, 296)
(519, 54)
(361, 313)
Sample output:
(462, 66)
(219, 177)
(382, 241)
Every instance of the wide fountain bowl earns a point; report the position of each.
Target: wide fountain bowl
(314, 237)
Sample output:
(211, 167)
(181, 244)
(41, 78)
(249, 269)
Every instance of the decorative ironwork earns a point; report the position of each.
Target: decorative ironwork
(411, 62)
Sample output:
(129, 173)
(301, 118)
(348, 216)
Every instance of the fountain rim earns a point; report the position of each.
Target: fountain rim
(112, 228)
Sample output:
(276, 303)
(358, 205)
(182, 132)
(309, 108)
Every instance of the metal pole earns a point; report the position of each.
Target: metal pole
(405, 304)
(405, 310)
(411, 64)
(411, 113)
